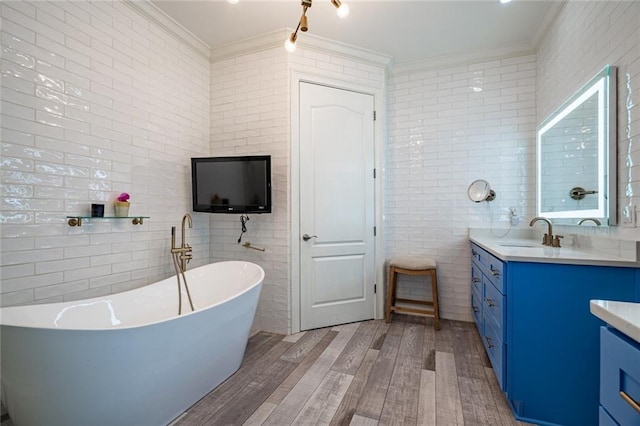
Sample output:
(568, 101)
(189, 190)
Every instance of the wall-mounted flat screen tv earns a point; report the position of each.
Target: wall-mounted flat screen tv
(231, 184)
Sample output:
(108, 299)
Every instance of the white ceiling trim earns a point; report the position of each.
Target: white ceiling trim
(547, 20)
(170, 25)
(275, 39)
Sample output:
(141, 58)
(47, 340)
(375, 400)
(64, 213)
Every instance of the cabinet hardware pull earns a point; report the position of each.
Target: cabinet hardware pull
(488, 341)
(630, 401)
(476, 280)
(475, 309)
(494, 272)
(489, 302)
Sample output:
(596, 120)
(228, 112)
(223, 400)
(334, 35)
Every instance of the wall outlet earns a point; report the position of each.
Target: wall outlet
(629, 216)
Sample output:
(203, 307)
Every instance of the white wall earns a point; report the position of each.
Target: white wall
(97, 99)
(250, 115)
(448, 127)
(251, 108)
(585, 37)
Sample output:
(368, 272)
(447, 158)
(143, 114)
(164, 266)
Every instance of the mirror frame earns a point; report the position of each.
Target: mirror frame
(604, 84)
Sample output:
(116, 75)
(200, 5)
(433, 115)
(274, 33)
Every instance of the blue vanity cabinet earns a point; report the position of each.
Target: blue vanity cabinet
(619, 378)
(489, 308)
(542, 341)
(553, 355)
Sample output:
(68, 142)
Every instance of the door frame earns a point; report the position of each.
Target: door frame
(298, 77)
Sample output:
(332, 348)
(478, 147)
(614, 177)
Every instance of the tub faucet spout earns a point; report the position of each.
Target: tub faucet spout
(181, 256)
(186, 217)
(184, 251)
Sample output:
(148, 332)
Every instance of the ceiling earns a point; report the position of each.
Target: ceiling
(407, 30)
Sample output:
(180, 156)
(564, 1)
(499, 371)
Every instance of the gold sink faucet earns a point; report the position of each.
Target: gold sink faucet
(548, 239)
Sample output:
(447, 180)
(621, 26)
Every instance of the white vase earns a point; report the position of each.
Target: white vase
(122, 208)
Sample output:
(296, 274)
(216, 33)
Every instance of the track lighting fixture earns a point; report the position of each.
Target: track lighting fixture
(342, 9)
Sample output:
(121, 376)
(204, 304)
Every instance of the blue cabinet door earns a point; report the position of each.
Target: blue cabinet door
(553, 349)
(605, 419)
(620, 377)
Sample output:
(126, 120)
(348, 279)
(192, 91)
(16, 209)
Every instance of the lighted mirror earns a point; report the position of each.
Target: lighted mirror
(576, 155)
(480, 190)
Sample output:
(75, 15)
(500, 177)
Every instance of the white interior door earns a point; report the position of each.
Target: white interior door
(337, 274)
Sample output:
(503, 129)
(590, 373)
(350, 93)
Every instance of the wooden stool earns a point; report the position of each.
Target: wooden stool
(412, 266)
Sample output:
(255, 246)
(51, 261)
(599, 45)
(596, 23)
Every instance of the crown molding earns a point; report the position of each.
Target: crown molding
(464, 59)
(249, 45)
(168, 24)
(548, 19)
(275, 39)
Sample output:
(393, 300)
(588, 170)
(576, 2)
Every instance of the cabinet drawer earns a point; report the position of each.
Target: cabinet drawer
(496, 351)
(490, 265)
(480, 255)
(476, 307)
(476, 277)
(493, 304)
(620, 377)
(477, 253)
(495, 272)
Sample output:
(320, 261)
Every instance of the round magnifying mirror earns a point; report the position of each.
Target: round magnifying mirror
(480, 190)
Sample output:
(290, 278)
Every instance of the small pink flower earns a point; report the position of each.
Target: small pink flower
(123, 197)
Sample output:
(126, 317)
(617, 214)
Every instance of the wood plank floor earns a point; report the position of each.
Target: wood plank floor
(366, 374)
(369, 373)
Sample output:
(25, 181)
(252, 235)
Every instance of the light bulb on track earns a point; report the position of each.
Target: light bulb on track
(342, 8)
(343, 11)
(290, 43)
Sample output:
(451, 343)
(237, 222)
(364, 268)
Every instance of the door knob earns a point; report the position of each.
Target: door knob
(307, 237)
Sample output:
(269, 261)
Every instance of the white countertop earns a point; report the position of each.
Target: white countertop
(624, 316)
(530, 250)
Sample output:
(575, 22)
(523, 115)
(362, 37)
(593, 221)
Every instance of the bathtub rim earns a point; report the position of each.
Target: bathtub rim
(108, 297)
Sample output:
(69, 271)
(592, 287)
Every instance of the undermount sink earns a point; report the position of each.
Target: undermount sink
(519, 245)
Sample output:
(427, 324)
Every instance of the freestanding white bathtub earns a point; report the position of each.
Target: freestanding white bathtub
(127, 359)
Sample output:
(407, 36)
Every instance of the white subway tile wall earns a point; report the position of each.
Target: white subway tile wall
(585, 37)
(96, 100)
(448, 127)
(250, 116)
(250, 113)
